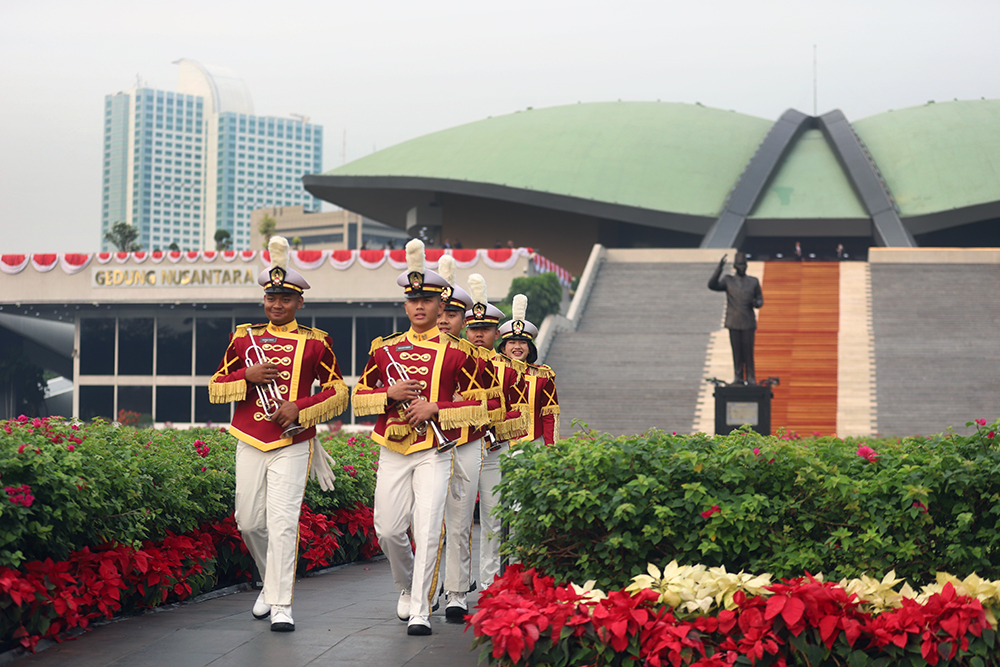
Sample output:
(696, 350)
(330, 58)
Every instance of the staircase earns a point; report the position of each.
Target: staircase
(636, 360)
(937, 344)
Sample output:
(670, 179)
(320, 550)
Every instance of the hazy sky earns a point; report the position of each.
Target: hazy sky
(385, 72)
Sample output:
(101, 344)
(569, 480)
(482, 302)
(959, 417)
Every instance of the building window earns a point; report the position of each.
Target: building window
(212, 338)
(137, 399)
(173, 348)
(135, 346)
(97, 402)
(97, 346)
(173, 404)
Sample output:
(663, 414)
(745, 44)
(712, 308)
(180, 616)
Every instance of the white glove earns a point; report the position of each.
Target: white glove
(322, 470)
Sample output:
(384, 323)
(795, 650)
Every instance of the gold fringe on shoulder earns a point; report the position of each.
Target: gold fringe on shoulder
(241, 330)
(542, 371)
(326, 409)
(381, 342)
(514, 428)
(227, 392)
(468, 415)
(368, 404)
(463, 345)
(313, 334)
(482, 394)
(550, 410)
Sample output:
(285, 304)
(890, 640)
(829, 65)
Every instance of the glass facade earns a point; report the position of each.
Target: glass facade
(261, 163)
(157, 162)
(187, 350)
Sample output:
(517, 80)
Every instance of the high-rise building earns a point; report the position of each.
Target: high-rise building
(181, 165)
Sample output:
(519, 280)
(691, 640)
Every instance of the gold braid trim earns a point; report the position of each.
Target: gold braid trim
(514, 428)
(368, 404)
(555, 429)
(327, 408)
(227, 392)
(469, 415)
(380, 342)
(482, 394)
(550, 410)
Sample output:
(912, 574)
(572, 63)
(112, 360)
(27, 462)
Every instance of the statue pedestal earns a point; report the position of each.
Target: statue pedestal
(737, 404)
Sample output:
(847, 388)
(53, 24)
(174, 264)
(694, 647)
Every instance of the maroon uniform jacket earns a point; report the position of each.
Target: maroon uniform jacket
(302, 355)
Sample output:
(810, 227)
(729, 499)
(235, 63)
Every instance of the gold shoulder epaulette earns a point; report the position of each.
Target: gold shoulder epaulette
(463, 345)
(381, 342)
(312, 333)
(241, 330)
(542, 371)
(516, 364)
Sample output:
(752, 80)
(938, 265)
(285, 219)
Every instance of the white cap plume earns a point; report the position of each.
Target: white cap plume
(446, 268)
(415, 256)
(477, 288)
(519, 307)
(278, 247)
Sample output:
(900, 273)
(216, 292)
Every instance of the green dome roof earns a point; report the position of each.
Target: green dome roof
(681, 158)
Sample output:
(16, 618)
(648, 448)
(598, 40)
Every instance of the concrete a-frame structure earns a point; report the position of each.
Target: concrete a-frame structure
(863, 174)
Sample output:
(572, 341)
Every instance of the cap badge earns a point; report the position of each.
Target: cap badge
(479, 310)
(277, 276)
(416, 280)
(517, 326)
(446, 294)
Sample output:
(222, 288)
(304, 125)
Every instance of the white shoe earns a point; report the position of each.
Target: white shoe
(419, 625)
(281, 618)
(456, 607)
(260, 608)
(403, 606)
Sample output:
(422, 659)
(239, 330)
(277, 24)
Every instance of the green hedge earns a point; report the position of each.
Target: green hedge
(98, 483)
(599, 507)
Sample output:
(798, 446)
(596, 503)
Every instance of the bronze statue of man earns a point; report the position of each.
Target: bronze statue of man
(743, 294)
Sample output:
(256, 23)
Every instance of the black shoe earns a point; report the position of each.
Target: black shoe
(419, 625)
(473, 586)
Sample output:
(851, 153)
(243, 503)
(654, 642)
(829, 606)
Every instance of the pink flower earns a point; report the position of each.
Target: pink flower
(981, 422)
(707, 513)
(866, 452)
(991, 435)
(203, 468)
(923, 508)
(70, 447)
(20, 450)
(756, 451)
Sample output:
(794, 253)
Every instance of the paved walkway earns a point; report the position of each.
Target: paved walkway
(346, 616)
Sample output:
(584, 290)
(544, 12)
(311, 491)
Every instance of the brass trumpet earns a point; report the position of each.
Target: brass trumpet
(268, 392)
(443, 444)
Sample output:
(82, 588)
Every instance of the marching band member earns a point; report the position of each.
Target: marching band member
(511, 423)
(275, 423)
(411, 380)
(459, 511)
(517, 342)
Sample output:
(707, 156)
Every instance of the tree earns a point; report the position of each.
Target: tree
(544, 296)
(297, 242)
(123, 236)
(266, 227)
(223, 239)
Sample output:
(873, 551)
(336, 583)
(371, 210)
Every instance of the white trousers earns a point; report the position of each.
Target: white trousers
(489, 525)
(269, 490)
(458, 517)
(410, 490)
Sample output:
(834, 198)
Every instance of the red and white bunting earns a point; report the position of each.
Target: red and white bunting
(309, 260)
(157, 256)
(140, 257)
(343, 259)
(397, 259)
(372, 259)
(192, 255)
(103, 257)
(74, 262)
(248, 255)
(122, 257)
(209, 255)
(44, 262)
(13, 263)
(174, 256)
(228, 255)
